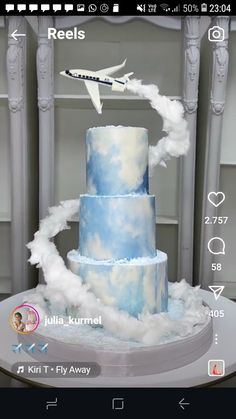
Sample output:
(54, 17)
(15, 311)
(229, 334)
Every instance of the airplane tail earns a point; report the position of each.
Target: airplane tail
(119, 85)
(126, 76)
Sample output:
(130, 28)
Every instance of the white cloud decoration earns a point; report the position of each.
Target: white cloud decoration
(64, 289)
(176, 142)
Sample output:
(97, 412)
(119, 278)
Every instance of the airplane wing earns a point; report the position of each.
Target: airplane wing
(94, 94)
(110, 70)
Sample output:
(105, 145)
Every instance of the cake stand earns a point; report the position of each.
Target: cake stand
(193, 374)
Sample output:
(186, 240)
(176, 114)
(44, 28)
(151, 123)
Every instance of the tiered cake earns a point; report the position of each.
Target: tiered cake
(117, 255)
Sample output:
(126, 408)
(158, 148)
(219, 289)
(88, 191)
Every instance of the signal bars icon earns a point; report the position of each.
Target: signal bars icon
(176, 9)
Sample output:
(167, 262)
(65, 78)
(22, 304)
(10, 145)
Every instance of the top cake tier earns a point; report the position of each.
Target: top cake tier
(117, 160)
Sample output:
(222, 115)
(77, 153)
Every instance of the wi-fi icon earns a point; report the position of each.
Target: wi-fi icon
(165, 7)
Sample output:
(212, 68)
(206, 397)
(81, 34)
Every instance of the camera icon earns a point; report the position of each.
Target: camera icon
(216, 34)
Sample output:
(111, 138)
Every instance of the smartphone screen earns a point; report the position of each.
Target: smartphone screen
(117, 205)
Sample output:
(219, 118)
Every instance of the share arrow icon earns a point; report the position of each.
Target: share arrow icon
(217, 290)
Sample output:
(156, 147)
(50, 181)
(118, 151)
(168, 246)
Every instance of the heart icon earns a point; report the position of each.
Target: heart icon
(216, 198)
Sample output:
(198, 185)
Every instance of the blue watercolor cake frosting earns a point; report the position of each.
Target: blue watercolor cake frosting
(117, 255)
(117, 227)
(117, 160)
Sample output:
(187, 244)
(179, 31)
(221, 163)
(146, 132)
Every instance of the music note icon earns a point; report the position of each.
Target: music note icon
(20, 369)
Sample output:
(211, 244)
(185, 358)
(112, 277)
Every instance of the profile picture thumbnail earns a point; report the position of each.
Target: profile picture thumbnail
(24, 319)
(216, 367)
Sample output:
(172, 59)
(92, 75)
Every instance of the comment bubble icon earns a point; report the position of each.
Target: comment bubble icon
(216, 246)
(21, 7)
(69, 7)
(9, 7)
(56, 7)
(45, 7)
(33, 7)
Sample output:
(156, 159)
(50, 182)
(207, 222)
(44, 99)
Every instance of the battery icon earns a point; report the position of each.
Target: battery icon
(203, 7)
(115, 8)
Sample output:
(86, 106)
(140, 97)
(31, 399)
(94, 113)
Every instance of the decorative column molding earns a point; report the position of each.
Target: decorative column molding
(220, 68)
(191, 64)
(15, 63)
(45, 66)
(16, 60)
(212, 159)
(45, 75)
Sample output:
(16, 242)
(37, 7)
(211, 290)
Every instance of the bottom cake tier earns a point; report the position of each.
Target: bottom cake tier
(138, 286)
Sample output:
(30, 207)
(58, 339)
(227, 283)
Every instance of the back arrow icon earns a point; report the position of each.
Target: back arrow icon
(182, 403)
(14, 35)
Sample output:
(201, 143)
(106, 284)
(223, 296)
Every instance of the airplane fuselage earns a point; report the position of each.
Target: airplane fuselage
(92, 76)
(92, 79)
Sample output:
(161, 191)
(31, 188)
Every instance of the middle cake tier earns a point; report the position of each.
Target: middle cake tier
(117, 227)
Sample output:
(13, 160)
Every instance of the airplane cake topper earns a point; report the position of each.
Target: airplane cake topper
(91, 80)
